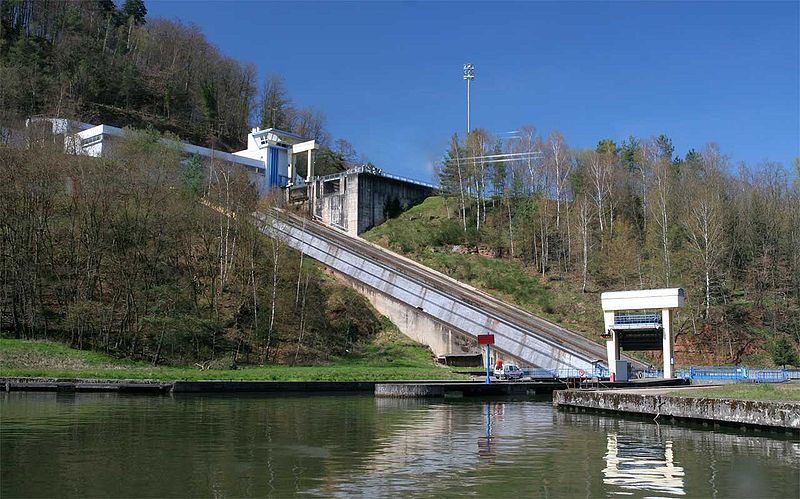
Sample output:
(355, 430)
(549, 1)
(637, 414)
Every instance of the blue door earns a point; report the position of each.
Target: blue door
(272, 167)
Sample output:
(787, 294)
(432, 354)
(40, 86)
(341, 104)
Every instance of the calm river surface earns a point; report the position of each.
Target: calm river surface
(101, 445)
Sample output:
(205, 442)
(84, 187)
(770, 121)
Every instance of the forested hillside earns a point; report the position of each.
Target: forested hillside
(102, 62)
(632, 215)
(120, 255)
(622, 216)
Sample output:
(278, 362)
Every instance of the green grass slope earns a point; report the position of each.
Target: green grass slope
(387, 356)
(746, 391)
(427, 234)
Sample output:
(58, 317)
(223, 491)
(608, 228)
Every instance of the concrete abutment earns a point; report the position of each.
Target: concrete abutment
(415, 323)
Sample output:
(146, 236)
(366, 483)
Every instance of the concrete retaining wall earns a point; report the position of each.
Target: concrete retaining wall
(744, 412)
(473, 389)
(271, 386)
(211, 386)
(359, 203)
(375, 192)
(83, 385)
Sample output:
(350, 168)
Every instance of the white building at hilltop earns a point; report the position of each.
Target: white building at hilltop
(271, 156)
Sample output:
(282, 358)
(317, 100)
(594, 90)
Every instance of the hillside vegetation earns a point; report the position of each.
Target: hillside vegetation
(428, 233)
(119, 255)
(387, 356)
(741, 328)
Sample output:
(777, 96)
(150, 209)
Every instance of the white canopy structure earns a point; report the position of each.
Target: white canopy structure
(640, 320)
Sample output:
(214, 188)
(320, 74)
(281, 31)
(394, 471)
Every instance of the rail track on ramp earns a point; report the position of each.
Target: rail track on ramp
(453, 304)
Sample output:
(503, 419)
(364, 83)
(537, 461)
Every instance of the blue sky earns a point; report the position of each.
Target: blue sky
(389, 75)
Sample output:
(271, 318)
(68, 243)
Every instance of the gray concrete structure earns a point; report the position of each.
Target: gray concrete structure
(783, 414)
(443, 340)
(435, 304)
(358, 199)
(472, 389)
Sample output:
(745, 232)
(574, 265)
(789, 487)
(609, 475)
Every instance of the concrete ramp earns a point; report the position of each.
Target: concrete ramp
(418, 294)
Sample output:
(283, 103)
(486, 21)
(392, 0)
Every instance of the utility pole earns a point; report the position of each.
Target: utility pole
(469, 75)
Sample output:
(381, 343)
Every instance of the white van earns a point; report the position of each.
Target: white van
(508, 371)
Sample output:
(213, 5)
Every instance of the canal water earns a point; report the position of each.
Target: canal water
(103, 445)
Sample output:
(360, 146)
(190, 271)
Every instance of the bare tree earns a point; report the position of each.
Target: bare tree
(479, 143)
(455, 148)
(310, 123)
(599, 169)
(704, 221)
(560, 163)
(277, 246)
(660, 208)
(584, 221)
(275, 103)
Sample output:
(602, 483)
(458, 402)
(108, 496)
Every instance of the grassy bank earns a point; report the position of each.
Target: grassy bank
(387, 357)
(746, 391)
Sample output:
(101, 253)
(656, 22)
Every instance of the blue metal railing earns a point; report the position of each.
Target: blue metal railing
(537, 372)
(768, 375)
(720, 373)
(375, 171)
(637, 321)
(699, 373)
(724, 373)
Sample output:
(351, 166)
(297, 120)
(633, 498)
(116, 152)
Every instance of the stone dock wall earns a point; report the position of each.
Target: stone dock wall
(467, 389)
(208, 386)
(738, 412)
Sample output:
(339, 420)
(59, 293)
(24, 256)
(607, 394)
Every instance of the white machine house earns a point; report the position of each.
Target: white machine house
(270, 158)
(279, 151)
(640, 320)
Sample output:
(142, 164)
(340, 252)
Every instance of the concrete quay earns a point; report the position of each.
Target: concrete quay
(205, 386)
(478, 388)
(399, 388)
(663, 406)
(272, 386)
(84, 385)
(467, 389)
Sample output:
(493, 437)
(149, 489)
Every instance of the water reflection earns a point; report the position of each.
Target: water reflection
(485, 449)
(90, 445)
(636, 464)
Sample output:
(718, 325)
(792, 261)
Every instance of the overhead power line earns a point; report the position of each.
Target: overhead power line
(514, 155)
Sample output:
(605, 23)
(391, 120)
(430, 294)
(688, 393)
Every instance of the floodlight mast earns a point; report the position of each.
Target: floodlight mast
(469, 75)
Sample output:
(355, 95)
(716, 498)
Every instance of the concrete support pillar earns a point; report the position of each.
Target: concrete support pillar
(310, 170)
(449, 341)
(668, 344)
(291, 169)
(612, 345)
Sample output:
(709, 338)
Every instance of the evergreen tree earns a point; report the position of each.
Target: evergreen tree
(665, 147)
(628, 153)
(498, 172)
(107, 6)
(135, 10)
(784, 353)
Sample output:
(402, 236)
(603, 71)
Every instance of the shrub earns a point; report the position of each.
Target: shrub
(784, 353)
